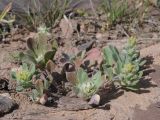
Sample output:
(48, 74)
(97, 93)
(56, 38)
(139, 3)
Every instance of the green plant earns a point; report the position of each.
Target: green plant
(86, 87)
(112, 62)
(39, 51)
(23, 76)
(124, 67)
(39, 94)
(48, 12)
(114, 10)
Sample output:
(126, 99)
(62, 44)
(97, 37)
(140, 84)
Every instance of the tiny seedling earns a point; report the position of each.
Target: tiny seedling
(23, 76)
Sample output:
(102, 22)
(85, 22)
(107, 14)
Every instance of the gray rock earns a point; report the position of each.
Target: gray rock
(6, 104)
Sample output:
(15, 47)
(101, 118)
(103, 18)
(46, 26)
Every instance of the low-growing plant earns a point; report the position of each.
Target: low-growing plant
(39, 94)
(39, 51)
(23, 76)
(124, 67)
(86, 87)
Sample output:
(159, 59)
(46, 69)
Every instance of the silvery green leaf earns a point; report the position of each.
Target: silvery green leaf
(19, 88)
(81, 76)
(13, 75)
(27, 58)
(46, 84)
(142, 62)
(97, 79)
(54, 45)
(49, 56)
(39, 86)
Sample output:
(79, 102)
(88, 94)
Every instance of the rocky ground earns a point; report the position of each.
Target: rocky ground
(118, 105)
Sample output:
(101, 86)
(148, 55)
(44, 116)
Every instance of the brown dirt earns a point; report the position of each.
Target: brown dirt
(121, 105)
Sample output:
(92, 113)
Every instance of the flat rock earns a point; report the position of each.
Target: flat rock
(73, 104)
(6, 104)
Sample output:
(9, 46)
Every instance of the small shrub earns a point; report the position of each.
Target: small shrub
(124, 67)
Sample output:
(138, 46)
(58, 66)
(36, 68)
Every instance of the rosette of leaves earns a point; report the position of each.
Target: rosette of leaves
(39, 51)
(124, 67)
(86, 87)
(23, 76)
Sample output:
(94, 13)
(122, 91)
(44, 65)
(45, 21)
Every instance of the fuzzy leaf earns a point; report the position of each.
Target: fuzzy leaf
(97, 79)
(27, 58)
(19, 88)
(54, 45)
(46, 84)
(81, 76)
(13, 75)
(142, 62)
(49, 55)
(32, 45)
(50, 66)
(39, 86)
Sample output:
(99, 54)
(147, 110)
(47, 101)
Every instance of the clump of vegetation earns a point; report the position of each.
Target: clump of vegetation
(37, 61)
(39, 94)
(49, 13)
(131, 11)
(114, 10)
(86, 87)
(23, 76)
(124, 67)
(39, 51)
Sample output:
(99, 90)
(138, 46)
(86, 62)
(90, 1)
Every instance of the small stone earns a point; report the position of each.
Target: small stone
(95, 100)
(6, 104)
(43, 99)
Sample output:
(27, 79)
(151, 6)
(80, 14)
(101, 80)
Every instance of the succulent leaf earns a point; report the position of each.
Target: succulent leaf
(87, 87)
(39, 51)
(23, 75)
(126, 65)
